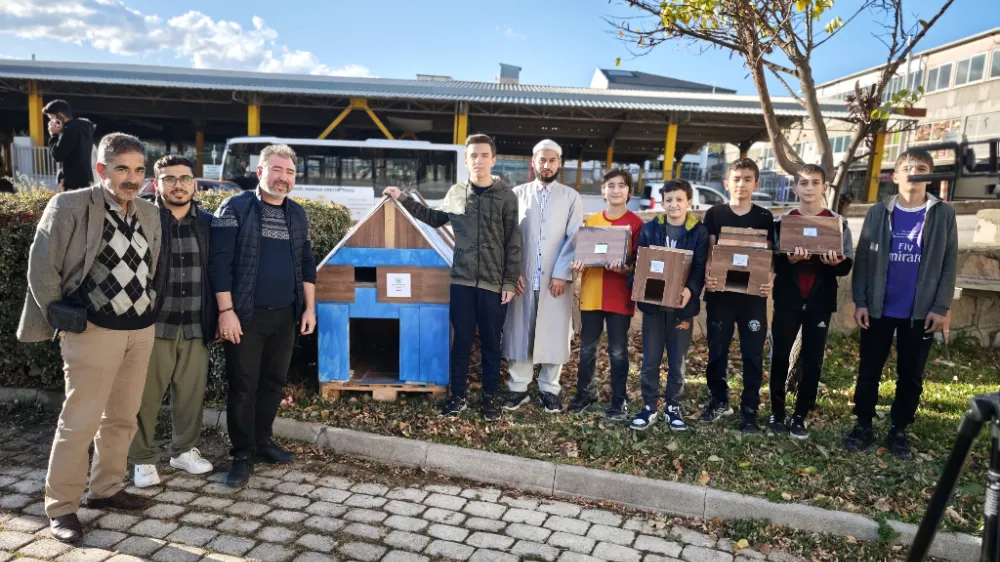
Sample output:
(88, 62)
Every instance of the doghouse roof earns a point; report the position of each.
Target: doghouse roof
(369, 231)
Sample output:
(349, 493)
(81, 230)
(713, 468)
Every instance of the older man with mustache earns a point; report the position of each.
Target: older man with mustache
(264, 277)
(90, 284)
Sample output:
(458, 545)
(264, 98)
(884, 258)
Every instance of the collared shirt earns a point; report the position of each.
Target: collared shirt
(542, 192)
(128, 211)
(183, 291)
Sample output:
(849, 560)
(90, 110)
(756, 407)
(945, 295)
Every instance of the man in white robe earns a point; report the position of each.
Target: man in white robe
(539, 324)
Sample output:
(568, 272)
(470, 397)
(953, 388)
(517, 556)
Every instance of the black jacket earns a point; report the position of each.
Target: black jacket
(203, 234)
(72, 149)
(823, 297)
(236, 234)
(695, 238)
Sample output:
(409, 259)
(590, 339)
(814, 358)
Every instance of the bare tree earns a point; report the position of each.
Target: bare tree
(779, 37)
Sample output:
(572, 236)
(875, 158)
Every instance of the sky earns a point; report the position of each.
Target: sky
(555, 42)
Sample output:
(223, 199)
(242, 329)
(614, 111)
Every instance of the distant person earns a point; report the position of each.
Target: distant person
(71, 143)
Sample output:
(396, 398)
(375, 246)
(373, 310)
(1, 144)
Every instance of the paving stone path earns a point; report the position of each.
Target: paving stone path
(305, 513)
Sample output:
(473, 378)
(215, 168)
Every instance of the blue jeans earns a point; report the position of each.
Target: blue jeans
(591, 327)
(664, 330)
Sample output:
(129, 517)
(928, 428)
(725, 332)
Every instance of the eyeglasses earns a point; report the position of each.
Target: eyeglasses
(171, 181)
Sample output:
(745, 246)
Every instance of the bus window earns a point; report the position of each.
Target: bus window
(355, 168)
(437, 173)
(395, 167)
(319, 170)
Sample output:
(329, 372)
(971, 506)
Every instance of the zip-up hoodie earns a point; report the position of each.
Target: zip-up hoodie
(823, 296)
(938, 259)
(695, 238)
(487, 236)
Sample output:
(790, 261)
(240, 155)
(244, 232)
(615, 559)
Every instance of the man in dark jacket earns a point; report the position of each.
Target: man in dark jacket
(484, 216)
(671, 328)
(185, 326)
(805, 296)
(903, 285)
(264, 277)
(70, 142)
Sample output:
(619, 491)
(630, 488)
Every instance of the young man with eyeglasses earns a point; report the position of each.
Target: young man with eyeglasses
(264, 277)
(185, 325)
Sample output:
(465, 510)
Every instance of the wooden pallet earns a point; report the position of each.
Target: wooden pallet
(380, 391)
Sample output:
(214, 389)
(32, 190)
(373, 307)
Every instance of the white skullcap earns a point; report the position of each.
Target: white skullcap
(547, 144)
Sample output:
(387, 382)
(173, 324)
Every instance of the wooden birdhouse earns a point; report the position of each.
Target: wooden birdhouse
(382, 299)
(660, 275)
(816, 235)
(741, 260)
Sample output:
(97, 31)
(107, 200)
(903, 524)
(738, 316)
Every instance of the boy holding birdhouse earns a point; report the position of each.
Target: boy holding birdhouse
(805, 294)
(666, 327)
(725, 309)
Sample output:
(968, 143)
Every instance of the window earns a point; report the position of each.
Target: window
(768, 159)
(995, 69)
(939, 78)
(709, 197)
(970, 69)
(916, 80)
(892, 147)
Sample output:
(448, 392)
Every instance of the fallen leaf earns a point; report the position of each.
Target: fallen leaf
(704, 478)
(764, 549)
(881, 505)
(742, 543)
(881, 451)
(786, 496)
(745, 464)
(852, 540)
(672, 446)
(714, 458)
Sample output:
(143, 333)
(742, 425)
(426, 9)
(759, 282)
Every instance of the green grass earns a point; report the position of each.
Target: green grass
(817, 471)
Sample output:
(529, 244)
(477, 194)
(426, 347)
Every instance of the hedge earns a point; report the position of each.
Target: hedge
(40, 365)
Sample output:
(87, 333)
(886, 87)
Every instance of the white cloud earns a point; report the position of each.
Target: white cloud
(112, 26)
(509, 33)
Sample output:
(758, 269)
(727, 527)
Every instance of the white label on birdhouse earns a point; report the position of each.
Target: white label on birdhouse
(397, 285)
(811, 231)
(656, 266)
(741, 260)
(601, 249)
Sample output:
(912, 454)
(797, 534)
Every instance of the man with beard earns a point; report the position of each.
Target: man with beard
(551, 214)
(264, 277)
(90, 283)
(185, 325)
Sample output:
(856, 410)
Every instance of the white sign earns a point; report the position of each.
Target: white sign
(810, 232)
(601, 249)
(656, 266)
(211, 171)
(741, 260)
(358, 200)
(397, 285)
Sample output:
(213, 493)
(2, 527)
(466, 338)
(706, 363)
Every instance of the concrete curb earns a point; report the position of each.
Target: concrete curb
(572, 481)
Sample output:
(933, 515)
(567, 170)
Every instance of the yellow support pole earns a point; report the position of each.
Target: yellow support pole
(744, 152)
(669, 148)
(875, 165)
(199, 150)
(579, 172)
(333, 124)
(461, 123)
(379, 124)
(362, 103)
(677, 171)
(638, 181)
(36, 127)
(253, 120)
(611, 156)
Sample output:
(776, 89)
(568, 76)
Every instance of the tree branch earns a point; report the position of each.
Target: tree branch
(791, 92)
(839, 29)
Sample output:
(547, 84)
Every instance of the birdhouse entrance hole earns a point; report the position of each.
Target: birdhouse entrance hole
(374, 350)
(738, 281)
(655, 289)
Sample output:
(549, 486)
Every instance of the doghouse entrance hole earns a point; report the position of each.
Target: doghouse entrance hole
(654, 290)
(738, 281)
(365, 276)
(374, 349)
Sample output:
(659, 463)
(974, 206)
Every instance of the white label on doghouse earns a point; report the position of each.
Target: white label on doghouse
(397, 285)
(601, 249)
(810, 232)
(656, 266)
(741, 260)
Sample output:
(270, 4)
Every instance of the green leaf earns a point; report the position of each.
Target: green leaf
(923, 23)
(874, 113)
(618, 61)
(835, 24)
(801, 5)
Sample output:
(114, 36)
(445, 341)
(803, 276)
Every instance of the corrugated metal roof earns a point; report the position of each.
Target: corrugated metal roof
(482, 92)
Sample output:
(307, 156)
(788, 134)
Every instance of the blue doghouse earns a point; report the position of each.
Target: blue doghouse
(382, 305)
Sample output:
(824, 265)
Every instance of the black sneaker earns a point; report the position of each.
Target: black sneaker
(515, 400)
(797, 427)
(239, 472)
(581, 402)
(777, 424)
(748, 422)
(617, 413)
(453, 407)
(674, 418)
(270, 453)
(644, 419)
(550, 402)
(898, 444)
(490, 408)
(715, 410)
(860, 438)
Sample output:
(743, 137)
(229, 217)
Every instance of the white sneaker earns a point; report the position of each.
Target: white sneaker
(191, 462)
(146, 475)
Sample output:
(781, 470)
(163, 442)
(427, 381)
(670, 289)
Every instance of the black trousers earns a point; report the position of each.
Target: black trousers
(785, 326)
(257, 369)
(664, 330)
(471, 307)
(876, 343)
(748, 314)
(591, 327)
